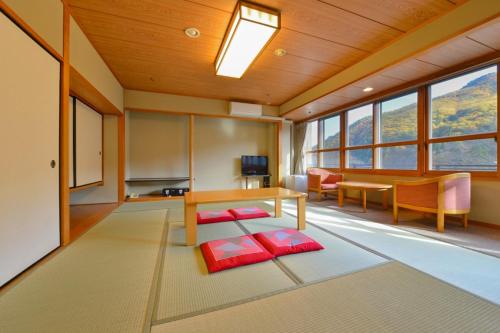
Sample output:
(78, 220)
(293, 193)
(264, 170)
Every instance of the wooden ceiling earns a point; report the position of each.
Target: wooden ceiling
(143, 43)
(480, 43)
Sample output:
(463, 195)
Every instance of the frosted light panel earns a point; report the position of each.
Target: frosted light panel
(247, 36)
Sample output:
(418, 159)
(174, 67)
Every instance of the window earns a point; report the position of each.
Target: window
(463, 122)
(384, 137)
(331, 133)
(329, 156)
(397, 157)
(397, 133)
(359, 158)
(322, 145)
(398, 119)
(360, 126)
(330, 159)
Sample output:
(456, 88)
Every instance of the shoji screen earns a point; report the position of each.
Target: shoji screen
(29, 142)
(88, 145)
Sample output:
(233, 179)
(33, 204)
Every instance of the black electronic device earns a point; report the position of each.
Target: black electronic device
(254, 165)
(174, 192)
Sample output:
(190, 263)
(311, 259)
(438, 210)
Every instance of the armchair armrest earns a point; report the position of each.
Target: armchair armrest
(420, 193)
(314, 181)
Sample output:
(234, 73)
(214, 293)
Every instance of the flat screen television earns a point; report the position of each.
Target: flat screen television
(253, 165)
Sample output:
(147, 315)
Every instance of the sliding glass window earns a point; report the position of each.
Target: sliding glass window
(359, 138)
(330, 137)
(397, 129)
(463, 122)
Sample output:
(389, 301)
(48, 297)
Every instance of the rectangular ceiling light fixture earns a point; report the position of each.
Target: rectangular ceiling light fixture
(250, 29)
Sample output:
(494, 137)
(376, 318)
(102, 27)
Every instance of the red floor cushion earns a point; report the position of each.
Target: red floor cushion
(214, 216)
(287, 241)
(232, 252)
(248, 213)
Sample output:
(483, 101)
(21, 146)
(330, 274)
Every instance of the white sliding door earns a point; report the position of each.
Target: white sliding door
(29, 145)
(88, 145)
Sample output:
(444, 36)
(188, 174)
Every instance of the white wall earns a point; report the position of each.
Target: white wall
(218, 146)
(176, 103)
(85, 59)
(158, 145)
(43, 16)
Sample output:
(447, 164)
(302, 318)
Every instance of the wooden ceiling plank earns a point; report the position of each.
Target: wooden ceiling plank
(435, 32)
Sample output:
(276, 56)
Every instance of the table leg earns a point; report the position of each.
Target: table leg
(301, 213)
(363, 194)
(341, 197)
(384, 199)
(277, 207)
(190, 224)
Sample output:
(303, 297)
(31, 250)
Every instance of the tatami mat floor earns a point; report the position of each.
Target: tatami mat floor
(132, 273)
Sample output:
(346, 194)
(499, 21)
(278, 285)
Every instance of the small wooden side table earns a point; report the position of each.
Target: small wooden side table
(363, 187)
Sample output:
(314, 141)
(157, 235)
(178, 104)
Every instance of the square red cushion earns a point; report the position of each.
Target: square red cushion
(287, 241)
(232, 252)
(214, 216)
(248, 213)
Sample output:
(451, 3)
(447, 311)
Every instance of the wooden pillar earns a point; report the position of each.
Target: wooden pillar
(121, 158)
(64, 199)
(190, 153)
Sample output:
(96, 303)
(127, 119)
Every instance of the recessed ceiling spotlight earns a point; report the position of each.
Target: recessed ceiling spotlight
(368, 89)
(309, 111)
(280, 52)
(192, 32)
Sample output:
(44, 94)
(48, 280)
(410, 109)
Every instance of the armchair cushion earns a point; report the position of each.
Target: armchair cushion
(329, 186)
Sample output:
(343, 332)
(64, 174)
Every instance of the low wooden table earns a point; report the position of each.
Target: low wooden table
(192, 199)
(363, 187)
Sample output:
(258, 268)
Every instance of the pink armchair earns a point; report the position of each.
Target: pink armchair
(322, 181)
(448, 194)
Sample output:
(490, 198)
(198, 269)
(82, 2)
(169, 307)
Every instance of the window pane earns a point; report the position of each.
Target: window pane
(331, 133)
(311, 142)
(398, 119)
(471, 155)
(360, 126)
(330, 159)
(398, 158)
(311, 160)
(359, 158)
(465, 105)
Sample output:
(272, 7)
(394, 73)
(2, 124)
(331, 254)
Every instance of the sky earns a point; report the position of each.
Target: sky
(445, 87)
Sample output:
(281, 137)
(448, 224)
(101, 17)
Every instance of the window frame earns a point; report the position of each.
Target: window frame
(423, 140)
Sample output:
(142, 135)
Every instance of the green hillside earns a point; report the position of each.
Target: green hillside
(471, 109)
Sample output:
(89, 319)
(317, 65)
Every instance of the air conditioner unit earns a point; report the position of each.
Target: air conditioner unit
(245, 109)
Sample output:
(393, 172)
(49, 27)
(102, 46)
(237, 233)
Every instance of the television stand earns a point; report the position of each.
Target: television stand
(266, 182)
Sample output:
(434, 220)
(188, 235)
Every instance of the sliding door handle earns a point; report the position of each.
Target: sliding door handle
(53, 164)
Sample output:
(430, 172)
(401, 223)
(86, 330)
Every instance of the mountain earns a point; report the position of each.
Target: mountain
(468, 110)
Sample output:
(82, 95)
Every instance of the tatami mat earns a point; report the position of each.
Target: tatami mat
(99, 283)
(150, 205)
(387, 298)
(187, 287)
(470, 270)
(338, 256)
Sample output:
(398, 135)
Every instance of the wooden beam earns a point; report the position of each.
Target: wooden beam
(81, 88)
(279, 164)
(180, 113)
(465, 17)
(64, 135)
(121, 158)
(467, 66)
(190, 152)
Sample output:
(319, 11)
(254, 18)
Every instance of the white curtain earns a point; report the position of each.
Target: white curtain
(299, 138)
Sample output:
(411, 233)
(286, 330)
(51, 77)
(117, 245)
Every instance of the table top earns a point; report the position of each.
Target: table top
(198, 197)
(364, 185)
